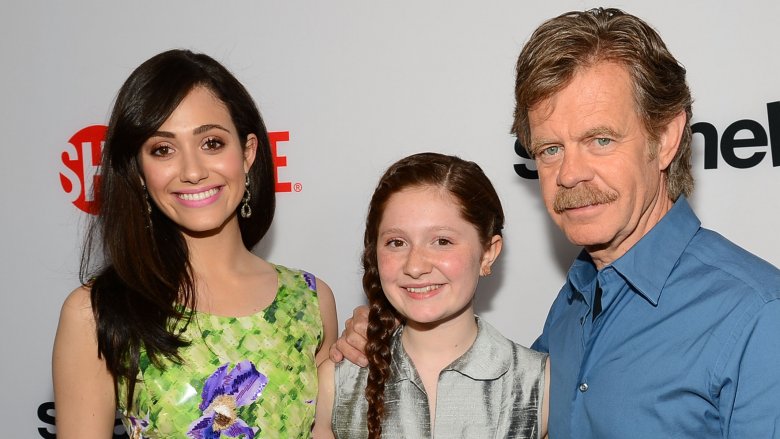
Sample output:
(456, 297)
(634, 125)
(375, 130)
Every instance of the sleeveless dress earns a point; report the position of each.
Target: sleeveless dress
(241, 377)
(494, 390)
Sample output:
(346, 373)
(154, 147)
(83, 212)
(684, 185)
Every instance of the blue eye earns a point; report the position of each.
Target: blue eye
(603, 141)
(551, 150)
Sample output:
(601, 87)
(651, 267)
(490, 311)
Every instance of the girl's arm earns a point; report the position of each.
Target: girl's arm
(83, 388)
(330, 323)
(545, 401)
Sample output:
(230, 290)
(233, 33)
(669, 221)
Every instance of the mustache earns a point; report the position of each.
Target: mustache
(580, 196)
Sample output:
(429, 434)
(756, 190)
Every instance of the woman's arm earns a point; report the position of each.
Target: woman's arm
(330, 324)
(84, 397)
(325, 367)
(322, 418)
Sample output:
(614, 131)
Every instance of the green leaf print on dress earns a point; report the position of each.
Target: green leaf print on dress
(279, 341)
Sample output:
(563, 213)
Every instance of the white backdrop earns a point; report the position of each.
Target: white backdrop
(357, 85)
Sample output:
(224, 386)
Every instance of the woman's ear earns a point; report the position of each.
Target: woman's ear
(250, 151)
(491, 254)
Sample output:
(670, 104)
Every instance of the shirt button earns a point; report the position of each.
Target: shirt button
(584, 387)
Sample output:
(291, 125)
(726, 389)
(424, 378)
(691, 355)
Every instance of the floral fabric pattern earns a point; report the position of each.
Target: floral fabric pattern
(241, 377)
(137, 427)
(222, 395)
(311, 281)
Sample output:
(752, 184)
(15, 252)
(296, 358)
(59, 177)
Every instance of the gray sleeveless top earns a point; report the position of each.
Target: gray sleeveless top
(494, 390)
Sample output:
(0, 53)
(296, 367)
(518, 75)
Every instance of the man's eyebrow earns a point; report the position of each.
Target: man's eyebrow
(537, 143)
(601, 131)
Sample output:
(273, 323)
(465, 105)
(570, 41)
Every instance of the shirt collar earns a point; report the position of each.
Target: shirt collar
(648, 264)
(401, 365)
(487, 359)
(581, 275)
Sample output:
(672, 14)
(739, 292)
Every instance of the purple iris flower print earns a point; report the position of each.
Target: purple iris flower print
(138, 426)
(222, 394)
(311, 281)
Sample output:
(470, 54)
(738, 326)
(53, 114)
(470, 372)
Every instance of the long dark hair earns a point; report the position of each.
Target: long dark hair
(135, 264)
(479, 205)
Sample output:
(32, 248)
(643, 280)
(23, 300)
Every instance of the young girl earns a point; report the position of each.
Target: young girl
(433, 228)
(181, 327)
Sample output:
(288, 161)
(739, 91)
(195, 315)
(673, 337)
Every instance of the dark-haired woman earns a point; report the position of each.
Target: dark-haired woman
(433, 228)
(179, 325)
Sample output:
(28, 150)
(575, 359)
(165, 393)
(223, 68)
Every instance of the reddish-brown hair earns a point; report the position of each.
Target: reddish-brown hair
(479, 205)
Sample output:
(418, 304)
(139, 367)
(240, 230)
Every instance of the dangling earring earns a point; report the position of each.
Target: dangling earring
(148, 207)
(146, 198)
(246, 209)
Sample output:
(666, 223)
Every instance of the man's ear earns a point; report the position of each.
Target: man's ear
(669, 141)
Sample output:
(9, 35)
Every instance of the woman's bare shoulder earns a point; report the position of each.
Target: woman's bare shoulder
(78, 307)
(83, 386)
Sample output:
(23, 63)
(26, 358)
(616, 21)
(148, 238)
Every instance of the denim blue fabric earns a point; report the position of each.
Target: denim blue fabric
(687, 344)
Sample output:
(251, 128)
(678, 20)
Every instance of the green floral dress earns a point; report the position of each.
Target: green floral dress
(241, 377)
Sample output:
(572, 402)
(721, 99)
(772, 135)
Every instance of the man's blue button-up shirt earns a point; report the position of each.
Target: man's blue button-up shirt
(687, 344)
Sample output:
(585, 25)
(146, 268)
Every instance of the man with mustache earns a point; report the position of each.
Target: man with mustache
(663, 328)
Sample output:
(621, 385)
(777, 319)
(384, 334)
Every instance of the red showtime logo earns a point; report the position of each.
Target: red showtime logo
(81, 176)
(279, 160)
(82, 171)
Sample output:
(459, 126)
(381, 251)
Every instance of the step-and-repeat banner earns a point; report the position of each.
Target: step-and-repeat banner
(346, 87)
